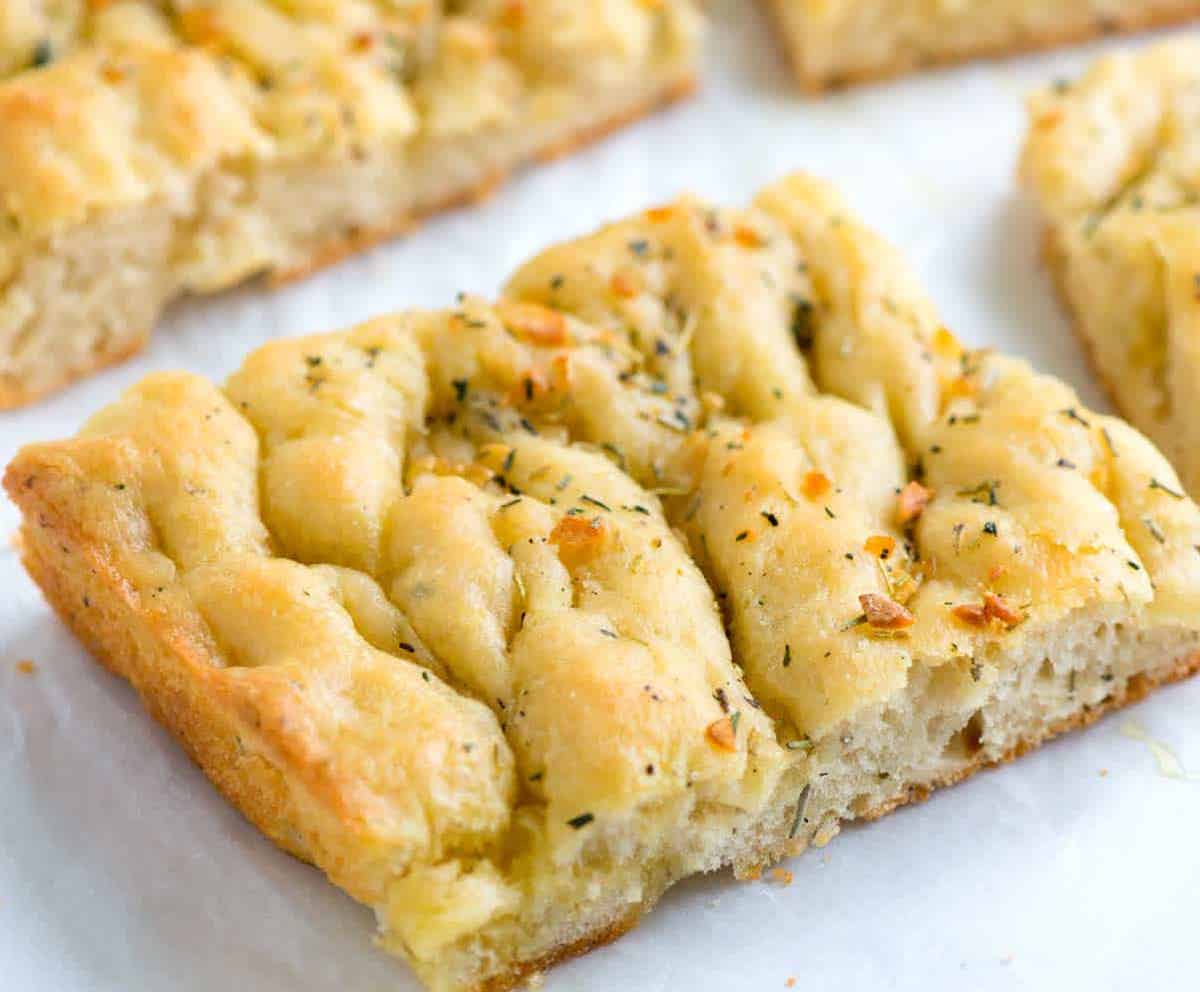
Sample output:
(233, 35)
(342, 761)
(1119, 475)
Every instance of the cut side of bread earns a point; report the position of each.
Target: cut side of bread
(1113, 161)
(704, 539)
(145, 155)
(838, 44)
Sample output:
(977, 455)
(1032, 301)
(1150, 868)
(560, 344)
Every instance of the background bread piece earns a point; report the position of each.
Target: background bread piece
(852, 41)
(510, 526)
(145, 155)
(1113, 161)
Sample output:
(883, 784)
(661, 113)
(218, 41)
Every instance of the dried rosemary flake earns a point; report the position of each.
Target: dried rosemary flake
(984, 493)
(1173, 493)
(801, 803)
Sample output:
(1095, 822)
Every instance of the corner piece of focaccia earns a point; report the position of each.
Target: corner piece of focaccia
(704, 539)
(833, 43)
(149, 150)
(1113, 160)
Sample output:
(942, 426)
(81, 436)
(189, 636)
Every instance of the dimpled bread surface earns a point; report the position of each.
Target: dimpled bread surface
(703, 539)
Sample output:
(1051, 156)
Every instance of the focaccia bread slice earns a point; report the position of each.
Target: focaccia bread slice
(1113, 161)
(149, 150)
(704, 539)
(833, 43)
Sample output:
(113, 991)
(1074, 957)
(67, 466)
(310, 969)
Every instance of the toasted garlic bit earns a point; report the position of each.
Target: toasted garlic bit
(972, 614)
(912, 502)
(883, 613)
(534, 323)
(561, 373)
(781, 876)
(997, 609)
(624, 285)
(815, 485)
(880, 546)
(992, 608)
(579, 539)
(720, 734)
(747, 237)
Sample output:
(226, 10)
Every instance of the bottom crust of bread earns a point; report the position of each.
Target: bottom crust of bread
(512, 978)
(344, 245)
(905, 63)
(18, 390)
(87, 591)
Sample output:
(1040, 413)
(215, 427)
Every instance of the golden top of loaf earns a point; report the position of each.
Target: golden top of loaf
(485, 582)
(1114, 161)
(1121, 145)
(108, 104)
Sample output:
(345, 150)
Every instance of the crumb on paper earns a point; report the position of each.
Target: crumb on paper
(1104, 773)
(825, 834)
(781, 876)
(26, 667)
(790, 983)
(1169, 765)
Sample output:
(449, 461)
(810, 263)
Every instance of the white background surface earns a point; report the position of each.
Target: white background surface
(121, 868)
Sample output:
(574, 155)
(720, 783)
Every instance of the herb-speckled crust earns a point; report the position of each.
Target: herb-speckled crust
(207, 127)
(508, 616)
(832, 45)
(1113, 160)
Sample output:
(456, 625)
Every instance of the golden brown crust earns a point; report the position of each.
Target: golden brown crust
(14, 393)
(513, 977)
(109, 628)
(102, 611)
(1133, 23)
(361, 240)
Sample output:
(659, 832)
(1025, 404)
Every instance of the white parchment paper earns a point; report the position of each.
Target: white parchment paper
(121, 868)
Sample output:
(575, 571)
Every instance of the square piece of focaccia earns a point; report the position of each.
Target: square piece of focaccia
(704, 539)
(149, 150)
(1114, 163)
(833, 43)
